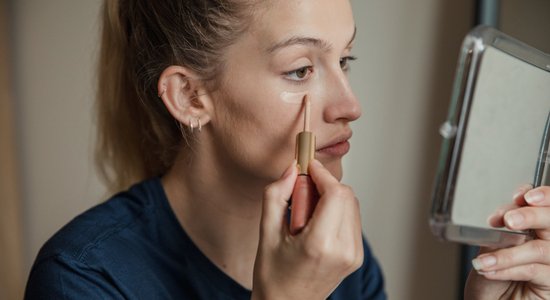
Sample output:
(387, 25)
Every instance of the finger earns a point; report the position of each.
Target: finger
(477, 283)
(275, 204)
(539, 196)
(350, 234)
(519, 193)
(537, 274)
(497, 218)
(329, 212)
(322, 177)
(532, 252)
(304, 200)
(350, 228)
(528, 217)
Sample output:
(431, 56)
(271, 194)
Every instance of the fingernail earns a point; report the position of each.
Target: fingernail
(486, 273)
(534, 197)
(520, 191)
(484, 262)
(513, 219)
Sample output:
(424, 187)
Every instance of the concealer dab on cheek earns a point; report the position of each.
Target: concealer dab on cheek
(293, 97)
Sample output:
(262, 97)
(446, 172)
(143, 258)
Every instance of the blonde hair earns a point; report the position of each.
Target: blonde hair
(136, 136)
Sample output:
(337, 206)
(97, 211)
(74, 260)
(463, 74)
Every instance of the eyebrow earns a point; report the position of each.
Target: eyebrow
(306, 41)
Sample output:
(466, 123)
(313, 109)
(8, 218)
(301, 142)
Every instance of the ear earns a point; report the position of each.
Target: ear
(184, 96)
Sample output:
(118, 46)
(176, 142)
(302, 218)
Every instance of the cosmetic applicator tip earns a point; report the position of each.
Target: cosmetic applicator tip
(307, 108)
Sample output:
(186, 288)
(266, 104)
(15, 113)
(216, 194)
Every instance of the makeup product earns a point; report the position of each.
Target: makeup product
(293, 97)
(304, 196)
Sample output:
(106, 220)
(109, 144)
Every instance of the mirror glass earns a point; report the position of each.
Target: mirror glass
(503, 137)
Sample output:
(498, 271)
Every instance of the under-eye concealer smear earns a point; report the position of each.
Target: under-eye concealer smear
(293, 97)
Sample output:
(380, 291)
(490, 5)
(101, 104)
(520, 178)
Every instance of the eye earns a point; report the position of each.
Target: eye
(299, 74)
(344, 62)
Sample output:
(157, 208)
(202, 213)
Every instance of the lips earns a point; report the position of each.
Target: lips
(337, 146)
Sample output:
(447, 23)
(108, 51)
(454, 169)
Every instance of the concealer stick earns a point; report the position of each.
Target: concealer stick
(304, 196)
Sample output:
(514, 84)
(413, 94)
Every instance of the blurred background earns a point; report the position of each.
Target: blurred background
(407, 57)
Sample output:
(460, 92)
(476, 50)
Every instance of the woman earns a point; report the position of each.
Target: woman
(199, 104)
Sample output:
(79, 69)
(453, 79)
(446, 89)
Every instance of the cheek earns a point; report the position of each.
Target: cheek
(256, 134)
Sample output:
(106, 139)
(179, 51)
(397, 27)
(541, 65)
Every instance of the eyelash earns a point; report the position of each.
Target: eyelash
(346, 60)
(292, 75)
(344, 65)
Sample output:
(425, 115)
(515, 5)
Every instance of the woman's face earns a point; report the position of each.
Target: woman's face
(293, 48)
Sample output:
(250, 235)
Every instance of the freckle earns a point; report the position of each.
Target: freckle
(224, 266)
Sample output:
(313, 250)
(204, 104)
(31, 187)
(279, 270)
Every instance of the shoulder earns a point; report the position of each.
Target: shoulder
(98, 225)
(62, 277)
(82, 253)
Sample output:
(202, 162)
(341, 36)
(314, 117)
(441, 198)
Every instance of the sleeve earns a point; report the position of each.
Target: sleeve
(59, 277)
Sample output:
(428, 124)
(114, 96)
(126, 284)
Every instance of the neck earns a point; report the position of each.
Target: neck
(219, 210)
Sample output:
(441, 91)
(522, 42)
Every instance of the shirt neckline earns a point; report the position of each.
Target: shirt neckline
(211, 273)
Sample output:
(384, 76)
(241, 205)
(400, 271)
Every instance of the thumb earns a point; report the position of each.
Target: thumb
(275, 202)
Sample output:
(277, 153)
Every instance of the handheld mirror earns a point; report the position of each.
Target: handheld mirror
(495, 138)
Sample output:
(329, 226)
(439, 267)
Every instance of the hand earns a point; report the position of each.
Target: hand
(310, 264)
(523, 271)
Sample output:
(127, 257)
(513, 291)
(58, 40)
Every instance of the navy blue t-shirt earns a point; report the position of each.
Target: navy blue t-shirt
(133, 247)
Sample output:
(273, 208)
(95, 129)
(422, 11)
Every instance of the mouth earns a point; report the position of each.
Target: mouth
(337, 146)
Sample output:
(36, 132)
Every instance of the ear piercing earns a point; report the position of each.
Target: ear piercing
(161, 93)
(198, 126)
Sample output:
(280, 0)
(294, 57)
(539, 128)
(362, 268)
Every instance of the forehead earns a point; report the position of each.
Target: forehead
(329, 20)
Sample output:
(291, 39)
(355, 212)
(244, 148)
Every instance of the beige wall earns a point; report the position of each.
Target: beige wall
(407, 53)
(55, 43)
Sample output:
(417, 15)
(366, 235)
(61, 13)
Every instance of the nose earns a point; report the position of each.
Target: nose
(342, 105)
